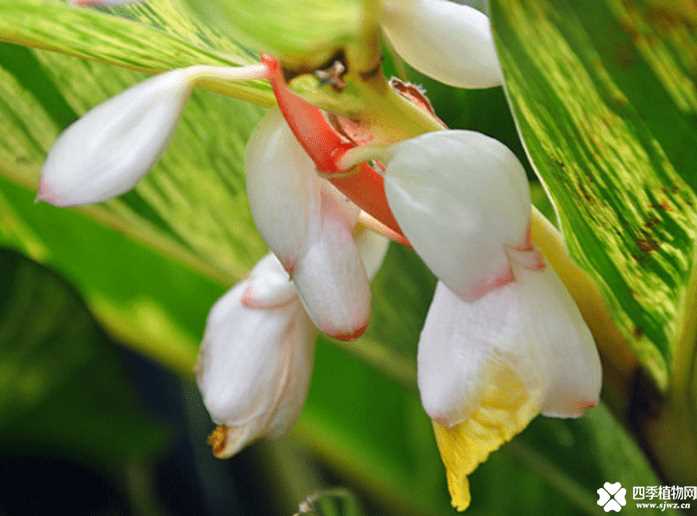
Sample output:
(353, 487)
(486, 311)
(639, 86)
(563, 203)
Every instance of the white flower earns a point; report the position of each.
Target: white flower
(503, 340)
(449, 42)
(107, 151)
(256, 359)
(488, 367)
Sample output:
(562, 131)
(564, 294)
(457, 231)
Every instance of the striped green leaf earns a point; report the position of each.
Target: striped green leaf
(604, 97)
(305, 33)
(155, 37)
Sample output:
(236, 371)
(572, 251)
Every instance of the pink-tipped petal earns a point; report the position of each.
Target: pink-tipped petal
(268, 285)
(330, 276)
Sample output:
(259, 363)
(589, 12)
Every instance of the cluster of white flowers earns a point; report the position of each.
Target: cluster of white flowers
(503, 340)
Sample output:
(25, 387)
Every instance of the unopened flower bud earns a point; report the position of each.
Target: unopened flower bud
(449, 42)
(107, 151)
(255, 362)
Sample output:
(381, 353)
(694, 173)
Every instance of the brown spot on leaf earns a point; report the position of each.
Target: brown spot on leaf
(651, 222)
(647, 245)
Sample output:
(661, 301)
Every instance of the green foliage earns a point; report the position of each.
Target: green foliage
(158, 37)
(63, 388)
(305, 33)
(604, 101)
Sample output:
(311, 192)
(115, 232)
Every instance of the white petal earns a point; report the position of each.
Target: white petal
(460, 198)
(282, 187)
(530, 327)
(254, 368)
(449, 42)
(456, 342)
(373, 248)
(107, 151)
(330, 276)
(268, 285)
(308, 224)
(570, 357)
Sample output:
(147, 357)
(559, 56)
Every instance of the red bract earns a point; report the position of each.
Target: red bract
(363, 185)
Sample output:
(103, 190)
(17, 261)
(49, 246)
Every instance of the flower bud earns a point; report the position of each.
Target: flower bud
(282, 187)
(255, 363)
(449, 42)
(107, 151)
(330, 276)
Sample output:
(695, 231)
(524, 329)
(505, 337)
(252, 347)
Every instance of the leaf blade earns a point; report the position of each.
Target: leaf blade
(591, 135)
(107, 38)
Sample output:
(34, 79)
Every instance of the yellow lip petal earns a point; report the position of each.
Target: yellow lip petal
(505, 409)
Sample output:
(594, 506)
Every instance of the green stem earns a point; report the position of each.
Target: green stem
(364, 55)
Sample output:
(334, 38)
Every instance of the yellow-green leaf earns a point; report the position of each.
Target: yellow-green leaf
(604, 97)
(154, 38)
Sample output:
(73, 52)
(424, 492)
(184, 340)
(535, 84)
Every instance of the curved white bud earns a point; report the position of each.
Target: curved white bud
(330, 276)
(461, 199)
(107, 151)
(268, 285)
(487, 368)
(449, 42)
(282, 187)
(254, 369)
